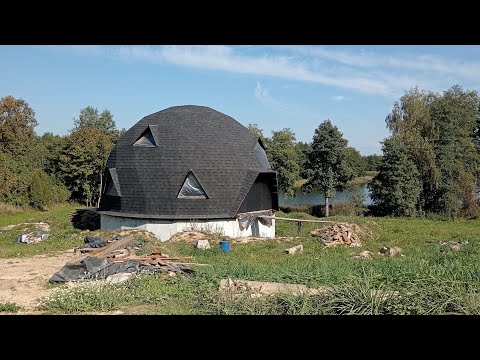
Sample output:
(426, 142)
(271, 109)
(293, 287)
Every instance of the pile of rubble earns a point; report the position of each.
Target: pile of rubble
(106, 259)
(338, 234)
(31, 233)
(32, 237)
(455, 246)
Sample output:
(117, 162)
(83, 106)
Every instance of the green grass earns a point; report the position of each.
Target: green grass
(430, 279)
(63, 235)
(9, 307)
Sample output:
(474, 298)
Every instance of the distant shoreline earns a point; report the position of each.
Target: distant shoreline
(360, 180)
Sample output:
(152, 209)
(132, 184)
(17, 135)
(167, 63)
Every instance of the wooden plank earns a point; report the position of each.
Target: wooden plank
(117, 245)
(185, 263)
(301, 220)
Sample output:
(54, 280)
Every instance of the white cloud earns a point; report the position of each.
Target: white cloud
(263, 95)
(338, 98)
(355, 70)
(225, 58)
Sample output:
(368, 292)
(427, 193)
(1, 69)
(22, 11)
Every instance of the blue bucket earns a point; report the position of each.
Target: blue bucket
(225, 245)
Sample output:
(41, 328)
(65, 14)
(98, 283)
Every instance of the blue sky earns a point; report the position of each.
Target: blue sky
(275, 87)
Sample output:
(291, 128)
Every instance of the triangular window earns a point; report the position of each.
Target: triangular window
(146, 139)
(112, 190)
(112, 185)
(261, 155)
(191, 188)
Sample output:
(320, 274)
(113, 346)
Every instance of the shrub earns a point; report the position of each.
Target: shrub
(41, 190)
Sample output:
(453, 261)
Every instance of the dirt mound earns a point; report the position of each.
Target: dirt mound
(188, 236)
(134, 232)
(342, 234)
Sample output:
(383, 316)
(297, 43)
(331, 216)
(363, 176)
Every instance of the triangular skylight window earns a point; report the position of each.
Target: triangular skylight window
(146, 139)
(191, 188)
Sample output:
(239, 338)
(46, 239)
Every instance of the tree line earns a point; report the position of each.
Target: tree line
(40, 170)
(326, 164)
(430, 161)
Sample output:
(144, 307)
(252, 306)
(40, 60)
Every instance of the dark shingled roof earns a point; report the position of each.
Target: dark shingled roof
(215, 147)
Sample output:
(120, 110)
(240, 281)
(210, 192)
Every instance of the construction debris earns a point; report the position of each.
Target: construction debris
(365, 255)
(118, 257)
(455, 246)
(32, 237)
(388, 251)
(338, 234)
(295, 249)
(202, 244)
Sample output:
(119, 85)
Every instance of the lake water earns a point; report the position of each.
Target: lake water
(316, 197)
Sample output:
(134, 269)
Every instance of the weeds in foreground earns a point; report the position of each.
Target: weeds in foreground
(9, 307)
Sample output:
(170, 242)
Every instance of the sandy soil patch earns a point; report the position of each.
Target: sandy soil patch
(23, 280)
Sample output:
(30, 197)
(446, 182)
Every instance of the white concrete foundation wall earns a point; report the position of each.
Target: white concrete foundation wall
(165, 229)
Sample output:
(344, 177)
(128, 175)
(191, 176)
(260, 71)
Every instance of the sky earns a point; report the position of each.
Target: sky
(275, 87)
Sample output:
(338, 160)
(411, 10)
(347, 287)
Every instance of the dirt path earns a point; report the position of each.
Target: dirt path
(23, 280)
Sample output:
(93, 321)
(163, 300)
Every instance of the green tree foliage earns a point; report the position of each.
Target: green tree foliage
(456, 115)
(41, 190)
(372, 162)
(414, 128)
(284, 160)
(259, 132)
(327, 169)
(83, 161)
(303, 149)
(90, 118)
(17, 120)
(396, 189)
(18, 157)
(52, 146)
(355, 162)
(439, 135)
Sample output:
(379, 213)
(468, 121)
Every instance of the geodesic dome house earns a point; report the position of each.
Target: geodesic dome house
(189, 168)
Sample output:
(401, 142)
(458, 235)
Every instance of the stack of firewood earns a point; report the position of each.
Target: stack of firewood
(338, 234)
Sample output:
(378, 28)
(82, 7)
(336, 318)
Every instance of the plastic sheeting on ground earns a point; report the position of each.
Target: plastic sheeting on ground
(92, 242)
(95, 268)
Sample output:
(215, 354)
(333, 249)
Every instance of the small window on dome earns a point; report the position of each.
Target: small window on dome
(112, 190)
(261, 155)
(146, 139)
(112, 185)
(191, 188)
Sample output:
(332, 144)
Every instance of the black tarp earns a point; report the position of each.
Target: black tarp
(95, 268)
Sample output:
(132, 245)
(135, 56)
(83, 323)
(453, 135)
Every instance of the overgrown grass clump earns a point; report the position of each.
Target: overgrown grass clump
(9, 307)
